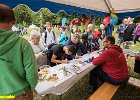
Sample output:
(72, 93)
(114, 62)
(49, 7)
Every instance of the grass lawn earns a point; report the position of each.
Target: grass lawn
(128, 92)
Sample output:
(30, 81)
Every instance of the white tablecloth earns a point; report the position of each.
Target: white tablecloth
(61, 86)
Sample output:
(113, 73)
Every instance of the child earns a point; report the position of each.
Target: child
(95, 41)
(63, 37)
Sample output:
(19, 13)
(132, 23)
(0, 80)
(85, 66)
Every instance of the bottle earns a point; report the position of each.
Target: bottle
(64, 71)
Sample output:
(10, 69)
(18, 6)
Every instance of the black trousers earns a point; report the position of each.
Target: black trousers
(136, 38)
(137, 66)
(97, 74)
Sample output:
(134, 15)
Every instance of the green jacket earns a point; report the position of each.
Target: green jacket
(18, 68)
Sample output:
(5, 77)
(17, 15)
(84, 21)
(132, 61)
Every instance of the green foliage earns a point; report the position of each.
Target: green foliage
(36, 19)
(73, 15)
(23, 14)
(26, 16)
(58, 20)
(68, 20)
(84, 16)
(137, 19)
(46, 15)
(98, 21)
(61, 14)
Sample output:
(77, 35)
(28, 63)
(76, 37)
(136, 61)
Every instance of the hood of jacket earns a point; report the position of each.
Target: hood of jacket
(7, 40)
(116, 47)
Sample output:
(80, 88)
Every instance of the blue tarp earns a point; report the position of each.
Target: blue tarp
(127, 14)
(35, 5)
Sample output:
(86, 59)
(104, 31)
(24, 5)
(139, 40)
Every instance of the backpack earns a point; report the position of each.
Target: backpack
(46, 36)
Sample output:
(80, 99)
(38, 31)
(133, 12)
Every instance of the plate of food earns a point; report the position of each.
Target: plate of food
(42, 75)
(43, 72)
(44, 67)
(52, 77)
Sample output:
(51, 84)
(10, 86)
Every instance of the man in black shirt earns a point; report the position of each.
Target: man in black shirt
(56, 54)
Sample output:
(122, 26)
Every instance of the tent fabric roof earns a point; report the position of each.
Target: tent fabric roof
(119, 6)
(96, 7)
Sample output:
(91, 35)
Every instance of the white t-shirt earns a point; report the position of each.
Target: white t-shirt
(50, 38)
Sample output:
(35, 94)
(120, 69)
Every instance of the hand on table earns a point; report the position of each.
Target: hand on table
(65, 61)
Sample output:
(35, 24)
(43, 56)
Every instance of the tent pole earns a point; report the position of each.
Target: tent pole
(109, 6)
(41, 23)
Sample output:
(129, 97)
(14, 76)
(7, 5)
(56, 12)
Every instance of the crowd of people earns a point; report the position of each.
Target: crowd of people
(128, 31)
(19, 58)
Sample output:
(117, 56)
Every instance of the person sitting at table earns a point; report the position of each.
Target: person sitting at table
(95, 45)
(111, 65)
(38, 48)
(80, 48)
(56, 53)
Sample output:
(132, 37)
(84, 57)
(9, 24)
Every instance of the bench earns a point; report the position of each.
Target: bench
(104, 92)
(134, 81)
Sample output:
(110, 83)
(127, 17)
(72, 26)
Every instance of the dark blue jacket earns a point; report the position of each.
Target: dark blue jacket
(80, 48)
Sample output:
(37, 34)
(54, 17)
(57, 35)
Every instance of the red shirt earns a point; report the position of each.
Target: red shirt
(113, 63)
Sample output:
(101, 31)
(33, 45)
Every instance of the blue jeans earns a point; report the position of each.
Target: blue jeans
(98, 74)
(120, 40)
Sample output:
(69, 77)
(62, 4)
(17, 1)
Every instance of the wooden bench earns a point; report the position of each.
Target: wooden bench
(134, 81)
(105, 92)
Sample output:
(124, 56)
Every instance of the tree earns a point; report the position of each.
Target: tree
(137, 19)
(23, 14)
(61, 14)
(84, 16)
(46, 14)
(98, 21)
(73, 15)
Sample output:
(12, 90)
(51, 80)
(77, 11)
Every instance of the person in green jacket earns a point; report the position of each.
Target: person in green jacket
(18, 68)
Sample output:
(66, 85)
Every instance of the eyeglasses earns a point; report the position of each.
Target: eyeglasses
(48, 26)
(104, 41)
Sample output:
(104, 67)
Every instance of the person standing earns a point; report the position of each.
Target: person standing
(102, 30)
(63, 37)
(128, 32)
(48, 36)
(137, 34)
(80, 48)
(88, 36)
(18, 68)
(109, 30)
(120, 31)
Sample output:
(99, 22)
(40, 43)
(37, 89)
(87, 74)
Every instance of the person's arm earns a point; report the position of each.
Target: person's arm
(102, 58)
(84, 48)
(40, 54)
(53, 59)
(29, 64)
